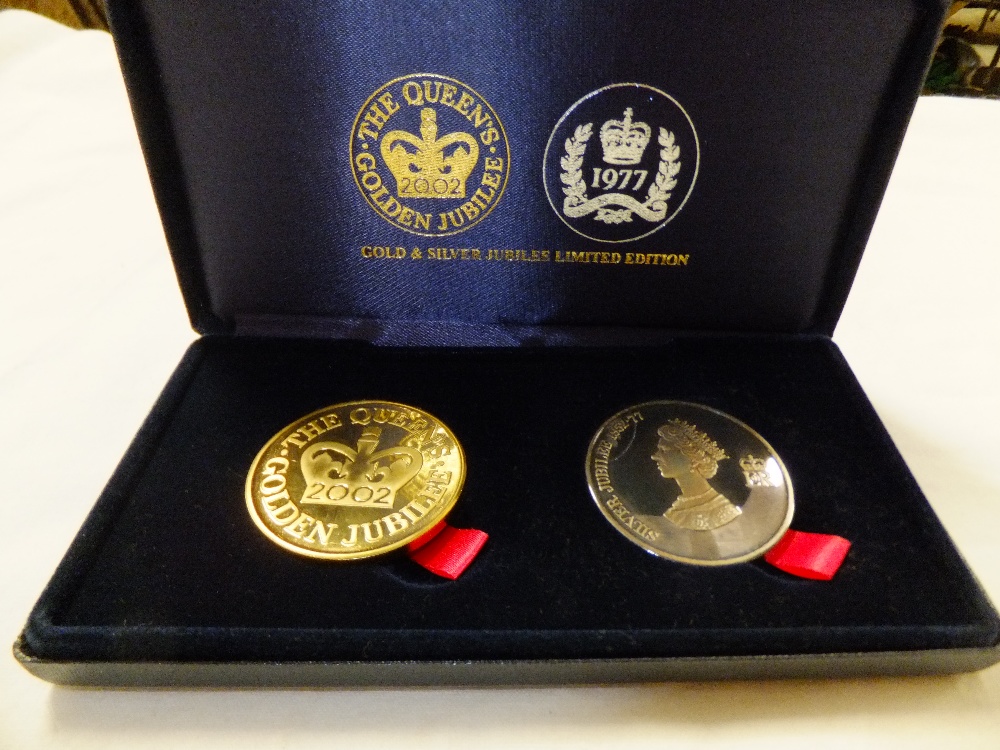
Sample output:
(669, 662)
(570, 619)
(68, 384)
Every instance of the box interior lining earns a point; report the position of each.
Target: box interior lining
(171, 566)
(246, 120)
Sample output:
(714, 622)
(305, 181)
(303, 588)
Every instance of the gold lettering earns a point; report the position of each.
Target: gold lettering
(436, 488)
(295, 440)
(378, 117)
(321, 533)
(311, 430)
(276, 465)
(464, 106)
(478, 118)
(412, 93)
(394, 523)
(439, 476)
(271, 484)
(428, 498)
(601, 469)
(415, 511)
(284, 515)
(456, 218)
(653, 259)
(437, 91)
(273, 500)
(391, 207)
(370, 535)
(298, 528)
(390, 106)
(352, 537)
(390, 253)
(365, 132)
(448, 94)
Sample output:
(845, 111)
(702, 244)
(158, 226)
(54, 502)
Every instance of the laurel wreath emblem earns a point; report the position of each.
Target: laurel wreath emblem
(572, 164)
(577, 203)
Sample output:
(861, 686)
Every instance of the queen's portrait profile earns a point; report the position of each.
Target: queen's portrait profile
(690, 457)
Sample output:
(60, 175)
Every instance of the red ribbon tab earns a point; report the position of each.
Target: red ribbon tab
(446, 551)
(429, 536)
(816, 556)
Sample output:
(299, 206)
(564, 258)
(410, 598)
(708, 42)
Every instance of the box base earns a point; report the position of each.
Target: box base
(170, 576)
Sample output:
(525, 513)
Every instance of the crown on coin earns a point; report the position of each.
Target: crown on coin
(753, 465)
(688, 438)
(362, 478)
(428, 166)
(624, 141)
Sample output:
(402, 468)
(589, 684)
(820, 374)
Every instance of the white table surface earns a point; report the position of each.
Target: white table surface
(92, 324)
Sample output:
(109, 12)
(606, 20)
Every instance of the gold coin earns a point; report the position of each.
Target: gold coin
(355, 480)
(689, 483)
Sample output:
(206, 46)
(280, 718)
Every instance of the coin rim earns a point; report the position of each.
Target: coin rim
(269, 533)
(594, 492)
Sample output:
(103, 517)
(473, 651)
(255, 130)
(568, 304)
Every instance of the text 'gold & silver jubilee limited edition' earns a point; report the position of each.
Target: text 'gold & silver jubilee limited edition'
(355, 480)
(689, 483)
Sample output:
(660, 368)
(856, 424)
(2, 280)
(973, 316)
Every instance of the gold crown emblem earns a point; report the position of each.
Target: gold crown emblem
(428, 171)
(338, 475)
(686, 436)
(756, 472)
(753, 465)
(624, 141)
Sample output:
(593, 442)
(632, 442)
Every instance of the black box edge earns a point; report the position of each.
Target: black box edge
(503, 673)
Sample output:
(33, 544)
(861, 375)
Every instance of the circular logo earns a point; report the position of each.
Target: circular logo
(429, 155)
(355, 480)
(621, 162)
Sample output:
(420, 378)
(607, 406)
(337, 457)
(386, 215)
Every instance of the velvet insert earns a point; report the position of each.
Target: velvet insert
(169, 566)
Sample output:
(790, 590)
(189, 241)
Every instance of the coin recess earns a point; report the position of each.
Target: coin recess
(654, 471)
(355, 479)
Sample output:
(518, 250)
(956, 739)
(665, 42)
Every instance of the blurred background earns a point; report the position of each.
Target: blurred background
(966, 63)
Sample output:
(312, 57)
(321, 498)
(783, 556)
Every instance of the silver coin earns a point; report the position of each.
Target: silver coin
(689, 483)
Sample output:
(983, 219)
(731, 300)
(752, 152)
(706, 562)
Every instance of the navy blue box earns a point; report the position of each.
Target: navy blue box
(650, 201)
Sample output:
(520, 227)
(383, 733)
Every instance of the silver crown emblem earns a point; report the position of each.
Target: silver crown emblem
(624, 141)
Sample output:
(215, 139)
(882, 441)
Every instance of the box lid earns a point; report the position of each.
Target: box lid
(295, 151)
